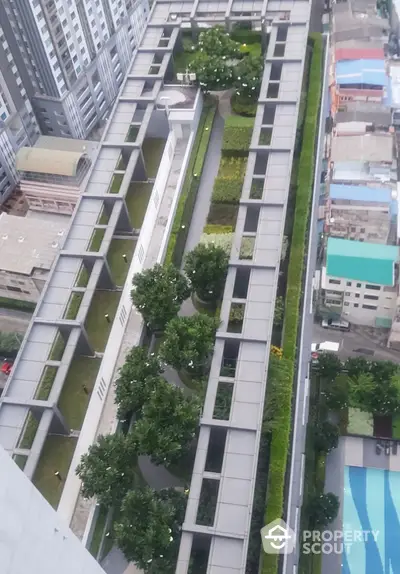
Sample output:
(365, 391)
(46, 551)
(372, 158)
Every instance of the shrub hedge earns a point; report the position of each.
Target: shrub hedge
(237, 136)
(223, 214)
(7, 303)
(184, 210)
(243, 107)
(282, 416)
(227, 190)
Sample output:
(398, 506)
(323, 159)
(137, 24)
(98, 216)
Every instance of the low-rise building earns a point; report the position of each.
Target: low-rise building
(53, 172)
(370, 148)
(359, 281)
(28, 247)
(360, 212)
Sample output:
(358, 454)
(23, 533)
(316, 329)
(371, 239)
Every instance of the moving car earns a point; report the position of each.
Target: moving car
(338, 325)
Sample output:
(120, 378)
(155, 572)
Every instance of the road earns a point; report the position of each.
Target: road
(354, 345)
(296, 479)
(14, 321)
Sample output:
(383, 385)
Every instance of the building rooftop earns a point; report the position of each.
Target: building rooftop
(359, 54)
(51, 161)
(26, 244)
(361, 261)
(32, 535)
(363, 148)
(368, 72)
(361, 193)
(377, 118)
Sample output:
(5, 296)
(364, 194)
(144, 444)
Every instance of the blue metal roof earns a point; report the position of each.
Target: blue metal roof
(352, 72)
(360, 193)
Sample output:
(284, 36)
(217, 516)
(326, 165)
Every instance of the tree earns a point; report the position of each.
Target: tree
(206, 267)
(326, 437)
(328, 366)
(322, 510)
(336, 392)
(158, 294)
(217, 42)
(212, 73)
(10, 342)
(107, 470)
(188, 342)
(356, 365)
(168, 424)
(362, 391)
(248, 77)
(377, 397)
(135, 381)
(383, 371)
(148, 528)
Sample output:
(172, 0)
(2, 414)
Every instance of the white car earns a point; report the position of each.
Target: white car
(337, 325)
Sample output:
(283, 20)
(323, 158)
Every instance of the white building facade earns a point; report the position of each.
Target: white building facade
(74, 55)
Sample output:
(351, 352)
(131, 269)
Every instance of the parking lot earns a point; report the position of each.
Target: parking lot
(354, 344)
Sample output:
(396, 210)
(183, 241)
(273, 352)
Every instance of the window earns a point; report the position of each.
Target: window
(357, 295)
(348, 283)
(374, 287)
(355, 304)
(346, 303)
(371, 297)
(358, 285)
(370, 307)
(334, 281)
(347, 293)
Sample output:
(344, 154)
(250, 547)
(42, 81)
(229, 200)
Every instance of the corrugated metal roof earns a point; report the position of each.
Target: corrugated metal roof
(363, 148)
(361, 261)
(383, 118)
(360, 193)
(359, 54)
(370, 72)
(50, 161)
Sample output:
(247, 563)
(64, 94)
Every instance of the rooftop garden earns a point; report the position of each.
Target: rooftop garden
(222, 61)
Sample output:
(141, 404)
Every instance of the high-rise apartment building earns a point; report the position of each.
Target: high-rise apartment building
(66, 59)
(18, 125)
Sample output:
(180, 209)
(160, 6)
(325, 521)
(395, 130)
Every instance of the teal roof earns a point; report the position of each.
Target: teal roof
(361, 261)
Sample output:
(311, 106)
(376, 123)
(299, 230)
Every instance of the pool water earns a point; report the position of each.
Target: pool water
(371, 502)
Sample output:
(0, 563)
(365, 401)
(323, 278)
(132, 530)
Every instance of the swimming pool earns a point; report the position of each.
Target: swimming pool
(371, 502)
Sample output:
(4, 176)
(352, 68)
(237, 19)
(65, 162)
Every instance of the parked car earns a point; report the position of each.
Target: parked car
(337, 325)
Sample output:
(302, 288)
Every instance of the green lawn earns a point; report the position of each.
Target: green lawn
(73, 305)
(74, 399)
(119, 267)
(182, 61)
(56, 456)
(116, 183)
(152, 149)
(96, 240)
(46, 383)
(137, 200)
(98, 531)
(98, 329)
(28, 436)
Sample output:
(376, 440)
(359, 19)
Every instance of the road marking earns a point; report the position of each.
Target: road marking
(303, 465)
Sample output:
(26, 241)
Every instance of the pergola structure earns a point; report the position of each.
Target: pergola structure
(240, 359)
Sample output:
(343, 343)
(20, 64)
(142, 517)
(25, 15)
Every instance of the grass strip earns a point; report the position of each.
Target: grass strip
(282, 420)
(183, 215)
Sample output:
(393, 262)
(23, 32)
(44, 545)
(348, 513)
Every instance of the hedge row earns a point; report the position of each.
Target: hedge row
(184, 210)
(237, 136)
(227, 190)
(282, 408)
(7, 303)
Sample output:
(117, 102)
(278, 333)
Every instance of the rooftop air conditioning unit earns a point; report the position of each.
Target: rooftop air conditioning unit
(179, 77)
(192, 77)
